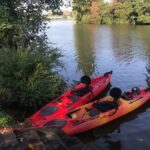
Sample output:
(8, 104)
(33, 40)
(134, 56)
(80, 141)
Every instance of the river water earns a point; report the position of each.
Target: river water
(95, 49)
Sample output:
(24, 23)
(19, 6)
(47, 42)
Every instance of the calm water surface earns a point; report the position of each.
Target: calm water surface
(95, 49)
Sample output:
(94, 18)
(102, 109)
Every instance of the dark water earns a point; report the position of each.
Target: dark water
(93, 50)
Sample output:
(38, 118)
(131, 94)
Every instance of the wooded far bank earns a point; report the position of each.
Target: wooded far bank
(117, 12)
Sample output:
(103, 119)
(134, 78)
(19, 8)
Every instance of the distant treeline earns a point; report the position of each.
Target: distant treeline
(117, 12)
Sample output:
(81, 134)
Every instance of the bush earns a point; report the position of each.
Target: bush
(28, 79)
(85, 19)
(144, 19)
(5, 120)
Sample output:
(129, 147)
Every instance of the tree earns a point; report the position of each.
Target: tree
(21, 21)
(28, 76)
(81, 8)
(118, 12)
(94, 12)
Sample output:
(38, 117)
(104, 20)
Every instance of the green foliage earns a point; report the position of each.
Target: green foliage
(81, 7)
(28, 77)
(128, 11)
(85, 19)
(5, 120)
(143, 10)
(23, 20)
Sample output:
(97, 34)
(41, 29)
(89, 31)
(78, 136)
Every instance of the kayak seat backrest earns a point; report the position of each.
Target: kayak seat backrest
(86, 80)
(74, 98)
(115, 93)
(82, 91)
(105, 106)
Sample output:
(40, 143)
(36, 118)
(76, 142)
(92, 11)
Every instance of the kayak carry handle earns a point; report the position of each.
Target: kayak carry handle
(106, 73)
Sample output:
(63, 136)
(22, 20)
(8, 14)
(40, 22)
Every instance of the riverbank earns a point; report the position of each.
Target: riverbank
(38, 139)
(61, 17)
(124, 12)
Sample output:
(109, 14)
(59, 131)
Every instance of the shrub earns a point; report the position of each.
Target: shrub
(85, 19)
(28, 79)
(5, 120)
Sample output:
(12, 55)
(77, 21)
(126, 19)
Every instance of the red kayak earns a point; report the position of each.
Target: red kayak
(76, 97)
(100, 112)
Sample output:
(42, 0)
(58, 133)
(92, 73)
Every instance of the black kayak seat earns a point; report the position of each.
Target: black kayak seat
(115, 93)
(82, 91)
(86, 80)
(105, 106)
